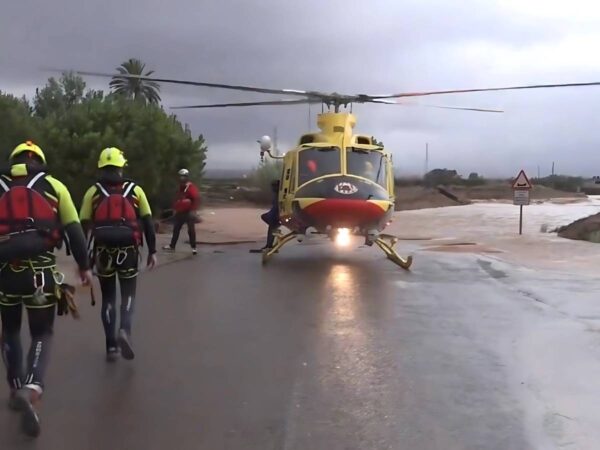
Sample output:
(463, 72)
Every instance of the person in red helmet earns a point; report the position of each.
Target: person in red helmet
(186, 203)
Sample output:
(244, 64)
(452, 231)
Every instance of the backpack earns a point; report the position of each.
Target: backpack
(29, 222)
(115, 221)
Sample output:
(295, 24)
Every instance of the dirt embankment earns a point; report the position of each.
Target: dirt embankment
(505, 192)
(417, 197)
(240, 193)
(232, 193)
(586, 229)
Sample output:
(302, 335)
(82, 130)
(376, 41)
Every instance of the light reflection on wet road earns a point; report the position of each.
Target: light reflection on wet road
(318, 350)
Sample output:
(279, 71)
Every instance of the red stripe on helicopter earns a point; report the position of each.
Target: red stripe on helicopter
(344, 212)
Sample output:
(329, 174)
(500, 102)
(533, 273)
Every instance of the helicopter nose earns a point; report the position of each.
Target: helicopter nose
(346, 213)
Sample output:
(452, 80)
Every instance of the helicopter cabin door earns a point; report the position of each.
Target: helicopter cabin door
(288, 185)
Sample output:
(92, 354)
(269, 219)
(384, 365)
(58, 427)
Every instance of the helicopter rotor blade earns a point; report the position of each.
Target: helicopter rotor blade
(460, 108)
(200, 83)
(463, 91)
(332, 98)
(266, 103)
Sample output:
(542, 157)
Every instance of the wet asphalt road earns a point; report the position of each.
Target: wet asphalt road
(319, 350)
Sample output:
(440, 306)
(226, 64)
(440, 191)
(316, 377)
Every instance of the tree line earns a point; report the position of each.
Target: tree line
(73, 124)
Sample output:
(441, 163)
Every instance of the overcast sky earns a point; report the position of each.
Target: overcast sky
(347, 46)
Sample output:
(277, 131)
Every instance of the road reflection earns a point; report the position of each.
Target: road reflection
(349, 341)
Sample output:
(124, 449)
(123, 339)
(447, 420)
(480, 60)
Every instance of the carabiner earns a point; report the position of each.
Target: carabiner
(39, 280)
(121, 257)
(59, 277)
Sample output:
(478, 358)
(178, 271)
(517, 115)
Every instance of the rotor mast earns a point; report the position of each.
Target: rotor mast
(334, 101)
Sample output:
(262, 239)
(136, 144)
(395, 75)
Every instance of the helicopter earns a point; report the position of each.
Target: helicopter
(334, 182)
(326, 190)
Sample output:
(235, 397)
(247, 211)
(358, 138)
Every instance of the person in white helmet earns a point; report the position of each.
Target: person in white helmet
(185, 205)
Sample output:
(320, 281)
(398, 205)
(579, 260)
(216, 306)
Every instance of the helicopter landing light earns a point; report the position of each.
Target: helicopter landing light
(342, 238)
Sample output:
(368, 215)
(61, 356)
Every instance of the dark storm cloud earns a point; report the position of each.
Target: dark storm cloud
(366, 47)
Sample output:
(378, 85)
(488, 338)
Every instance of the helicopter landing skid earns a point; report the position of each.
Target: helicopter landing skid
(392, 255)
(280, 241)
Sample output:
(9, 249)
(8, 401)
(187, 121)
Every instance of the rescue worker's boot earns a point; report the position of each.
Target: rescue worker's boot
(27, 399)
(112, 354)
(125, 344)
(13, 404)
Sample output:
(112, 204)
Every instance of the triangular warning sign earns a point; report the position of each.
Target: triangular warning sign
(522, 182)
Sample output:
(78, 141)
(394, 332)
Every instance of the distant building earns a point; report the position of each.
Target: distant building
(591, 187)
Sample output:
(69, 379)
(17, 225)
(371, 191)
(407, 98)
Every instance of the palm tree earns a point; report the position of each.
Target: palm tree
(147, 91)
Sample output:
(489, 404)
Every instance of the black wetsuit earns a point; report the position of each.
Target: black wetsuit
(33, 283)
(271, 218)
(179, 220)
(118, 262)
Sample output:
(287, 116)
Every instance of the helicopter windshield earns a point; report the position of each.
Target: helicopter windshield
(367, 164)
(315, 162)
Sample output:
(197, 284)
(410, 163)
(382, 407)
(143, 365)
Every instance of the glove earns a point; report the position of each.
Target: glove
(151, 261)
(66, 301)
(86, 277)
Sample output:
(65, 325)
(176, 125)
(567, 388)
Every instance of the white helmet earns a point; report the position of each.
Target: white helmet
(183, 173)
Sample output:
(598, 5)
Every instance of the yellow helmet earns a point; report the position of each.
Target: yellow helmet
(28, 146)
(111, 156)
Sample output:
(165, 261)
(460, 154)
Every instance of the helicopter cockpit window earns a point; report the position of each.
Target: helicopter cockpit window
(367, 164)
(315, 162)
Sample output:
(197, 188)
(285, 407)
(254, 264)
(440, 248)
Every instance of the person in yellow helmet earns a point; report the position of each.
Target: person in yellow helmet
(36, 211)
(116, 214)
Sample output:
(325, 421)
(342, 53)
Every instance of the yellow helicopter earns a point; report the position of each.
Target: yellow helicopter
(334, 182)
(336, 192)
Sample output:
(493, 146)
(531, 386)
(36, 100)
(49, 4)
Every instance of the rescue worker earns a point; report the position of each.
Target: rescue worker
(36, 212)
(369, 171)
(185, 206)
(271, 217)
(116, 215)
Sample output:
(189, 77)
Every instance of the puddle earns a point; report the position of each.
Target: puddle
(463, 247)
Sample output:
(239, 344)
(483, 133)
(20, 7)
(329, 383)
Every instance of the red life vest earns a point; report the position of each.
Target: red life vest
(115, 221)
(29, 221)
(183, 203)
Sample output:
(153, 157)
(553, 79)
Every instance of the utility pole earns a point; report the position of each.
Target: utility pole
(552, 168)
(426, 158)
(538, 167)
(275, 147)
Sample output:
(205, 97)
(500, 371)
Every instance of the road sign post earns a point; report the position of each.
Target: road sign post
(521, 189)
(520, 219)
